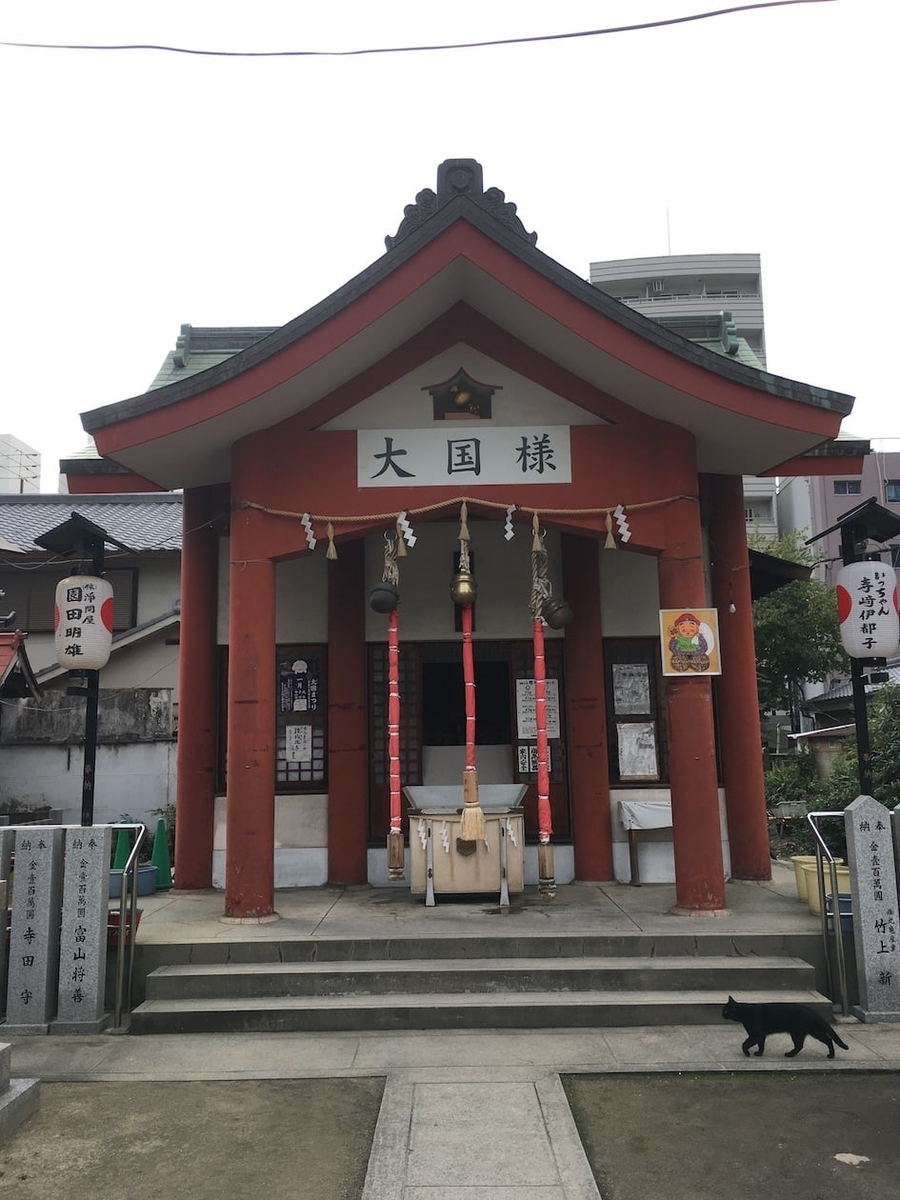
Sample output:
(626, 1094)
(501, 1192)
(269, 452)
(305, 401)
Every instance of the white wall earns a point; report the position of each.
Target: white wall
(502, 571)
(301, 838)
(301, 597)
(159, 587)
(406, 403)
(150, 663)
(131, 778)
(629, 594)
(656, 857)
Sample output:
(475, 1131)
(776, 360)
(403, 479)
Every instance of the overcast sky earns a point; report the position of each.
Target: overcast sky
(142, 190)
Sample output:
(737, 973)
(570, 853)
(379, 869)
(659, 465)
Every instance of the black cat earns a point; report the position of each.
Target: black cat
(798, 1020)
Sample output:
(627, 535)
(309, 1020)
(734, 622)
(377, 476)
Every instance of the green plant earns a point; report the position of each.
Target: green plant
(794, 780)
(797, 638)
(790, 780)
(842, 785)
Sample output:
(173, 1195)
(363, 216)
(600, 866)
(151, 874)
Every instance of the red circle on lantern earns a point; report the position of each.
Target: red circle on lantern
(106, 613)
(844, 602)
(896, 603)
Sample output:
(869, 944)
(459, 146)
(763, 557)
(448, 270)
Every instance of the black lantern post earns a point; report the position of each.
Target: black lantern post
(81, 537)
(868, 522)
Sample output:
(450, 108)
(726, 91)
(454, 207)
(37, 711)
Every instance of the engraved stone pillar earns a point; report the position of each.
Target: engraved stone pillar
(34, 934)
(83, 932)
(7, 841)
(873, 879)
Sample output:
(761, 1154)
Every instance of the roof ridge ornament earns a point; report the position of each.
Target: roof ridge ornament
(459, 177)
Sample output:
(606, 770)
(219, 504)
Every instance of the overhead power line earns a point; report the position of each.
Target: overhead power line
(545, 37)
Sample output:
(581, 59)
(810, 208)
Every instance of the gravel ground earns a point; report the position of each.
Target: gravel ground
(282, 1139)
(731, 1137)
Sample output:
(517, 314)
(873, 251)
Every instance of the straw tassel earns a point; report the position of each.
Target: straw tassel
(536, 541)
(610, 543)
(463, 522)
(401, 544)
(331, 552)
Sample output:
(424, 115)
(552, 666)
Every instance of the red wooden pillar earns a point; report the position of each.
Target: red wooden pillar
(195, 787)
(250, 813)
(740, 750)
(585, 697)
(699, 874)
(348, 768)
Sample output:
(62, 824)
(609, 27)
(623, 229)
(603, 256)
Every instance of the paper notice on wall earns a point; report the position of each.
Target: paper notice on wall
(526, 719)
(298, 743)
(528, 760)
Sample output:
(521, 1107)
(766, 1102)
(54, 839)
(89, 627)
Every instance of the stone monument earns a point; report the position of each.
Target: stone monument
(873, 877)
(7, 841)
(83, 931)
(34, 932)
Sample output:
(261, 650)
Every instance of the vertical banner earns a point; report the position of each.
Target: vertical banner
(83, 931)
(34, 934)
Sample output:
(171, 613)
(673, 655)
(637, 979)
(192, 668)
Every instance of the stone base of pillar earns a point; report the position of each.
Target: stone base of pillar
(266, 920)
(679, 911)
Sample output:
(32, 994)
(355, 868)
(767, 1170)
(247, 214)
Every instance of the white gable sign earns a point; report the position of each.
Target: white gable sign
(482, 454)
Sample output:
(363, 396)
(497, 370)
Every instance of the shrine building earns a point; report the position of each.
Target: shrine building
(466, 409)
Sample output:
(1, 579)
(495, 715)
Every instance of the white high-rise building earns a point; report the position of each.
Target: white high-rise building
(20, 466)
(714, 299)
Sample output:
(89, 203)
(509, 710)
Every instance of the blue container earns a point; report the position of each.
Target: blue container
(845, 908)
(146, 881)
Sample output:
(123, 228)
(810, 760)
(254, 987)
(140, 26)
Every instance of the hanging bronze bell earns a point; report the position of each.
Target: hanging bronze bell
(384, 597)
(463, 588)
(556, 613)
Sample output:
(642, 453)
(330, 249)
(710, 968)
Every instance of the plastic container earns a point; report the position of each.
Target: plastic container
(800, 876)
(812, 885)
(146, 881)
(798, 860)
(845, 908)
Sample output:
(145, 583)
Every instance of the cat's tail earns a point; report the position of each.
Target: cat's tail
(837, 1040)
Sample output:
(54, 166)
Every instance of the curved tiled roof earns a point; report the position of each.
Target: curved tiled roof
(142, 522)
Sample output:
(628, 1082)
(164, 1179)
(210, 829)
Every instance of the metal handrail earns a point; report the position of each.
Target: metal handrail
(822, 852)
(128, 893)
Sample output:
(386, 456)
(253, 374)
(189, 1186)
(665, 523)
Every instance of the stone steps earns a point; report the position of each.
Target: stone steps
(455, 993)
(473, 975)
(519, 1010)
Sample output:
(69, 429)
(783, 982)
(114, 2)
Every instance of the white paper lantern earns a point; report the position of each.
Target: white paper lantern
(83, 622)
(867, 610)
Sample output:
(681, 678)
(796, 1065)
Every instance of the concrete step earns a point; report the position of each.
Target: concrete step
(691, 943)
(240, 981)
(511, 1010)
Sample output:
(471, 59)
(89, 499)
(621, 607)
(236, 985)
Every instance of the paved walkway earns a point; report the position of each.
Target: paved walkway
(580, 908)
(449, 1091)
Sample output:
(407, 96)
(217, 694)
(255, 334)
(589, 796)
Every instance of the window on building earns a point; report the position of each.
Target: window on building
(892, 491)
(847, 487)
